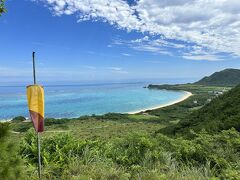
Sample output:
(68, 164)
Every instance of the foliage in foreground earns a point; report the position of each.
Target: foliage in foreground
(10, 162)
(136, 156)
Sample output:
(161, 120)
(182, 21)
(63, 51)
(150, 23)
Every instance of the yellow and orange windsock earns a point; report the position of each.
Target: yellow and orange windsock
(35, 97)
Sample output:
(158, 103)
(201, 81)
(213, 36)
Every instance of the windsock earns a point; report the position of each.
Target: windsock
(35, 97)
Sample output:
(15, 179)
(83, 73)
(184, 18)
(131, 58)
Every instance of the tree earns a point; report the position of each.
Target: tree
(2, 7)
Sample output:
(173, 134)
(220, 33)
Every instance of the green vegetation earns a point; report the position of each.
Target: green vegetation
(195, 139)
(202, 95)
(18, 119)
(11, 164)
(89, 127)
(2, 7)
(222, 113)
(227, 77)
(135, 156)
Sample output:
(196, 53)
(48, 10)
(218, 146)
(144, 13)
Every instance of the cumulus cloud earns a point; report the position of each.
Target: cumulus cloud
(211, 25)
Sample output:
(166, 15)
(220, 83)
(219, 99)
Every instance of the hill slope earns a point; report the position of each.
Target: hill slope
(227, 77)
(221, 114)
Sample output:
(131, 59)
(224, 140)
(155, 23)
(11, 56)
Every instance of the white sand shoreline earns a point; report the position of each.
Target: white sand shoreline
(188, 94)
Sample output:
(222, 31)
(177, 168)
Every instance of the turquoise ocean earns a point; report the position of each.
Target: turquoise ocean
(68, 101)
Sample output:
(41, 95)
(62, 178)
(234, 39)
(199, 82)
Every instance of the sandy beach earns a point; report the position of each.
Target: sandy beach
(188, 94)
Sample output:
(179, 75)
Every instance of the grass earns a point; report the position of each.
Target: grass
(92, 127)
(145, 117)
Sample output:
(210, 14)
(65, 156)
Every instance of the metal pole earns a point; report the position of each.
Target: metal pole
(38, 135)
(34, 75)
(39, 156)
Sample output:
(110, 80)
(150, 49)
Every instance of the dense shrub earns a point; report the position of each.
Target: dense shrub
(222, 113)
(137, 155)
(52, 121)
(10, 161)
(18, 119)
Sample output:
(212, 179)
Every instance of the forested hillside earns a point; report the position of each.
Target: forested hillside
(227, 77)
(221, 114)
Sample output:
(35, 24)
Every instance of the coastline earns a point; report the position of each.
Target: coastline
(5, 120)
(188, 94)
(9, 120)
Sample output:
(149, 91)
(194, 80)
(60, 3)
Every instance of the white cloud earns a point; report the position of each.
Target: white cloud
(145, 44)
(44, 74)
(90, 67)
(117, 70)
(213, 25)
(153, 62)
(14, 72)
(203, 57)
(114, 68)
(126, 54)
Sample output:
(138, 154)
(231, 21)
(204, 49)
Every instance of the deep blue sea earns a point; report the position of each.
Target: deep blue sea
(77, 100)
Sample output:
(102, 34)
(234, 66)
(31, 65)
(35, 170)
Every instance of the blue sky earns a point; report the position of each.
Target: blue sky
(117, 40)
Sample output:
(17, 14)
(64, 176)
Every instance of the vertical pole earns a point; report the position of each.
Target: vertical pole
(39, 156)
(38, 135)
(34, 75)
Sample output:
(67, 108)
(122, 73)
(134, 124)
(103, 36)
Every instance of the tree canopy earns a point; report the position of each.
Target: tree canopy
(2, 7)
(227, 77)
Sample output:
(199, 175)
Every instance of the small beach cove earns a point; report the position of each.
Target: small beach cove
(76, 101)
(188, 94)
